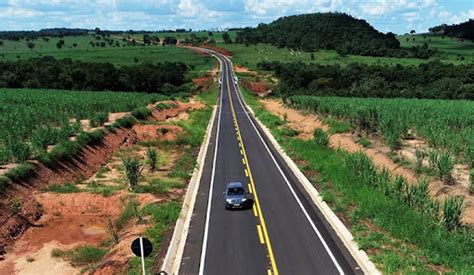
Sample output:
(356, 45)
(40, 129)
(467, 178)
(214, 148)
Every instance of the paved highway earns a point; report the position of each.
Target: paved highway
(284, 233)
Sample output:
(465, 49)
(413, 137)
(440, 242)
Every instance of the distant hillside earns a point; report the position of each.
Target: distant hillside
(333, 31)
(464, 30)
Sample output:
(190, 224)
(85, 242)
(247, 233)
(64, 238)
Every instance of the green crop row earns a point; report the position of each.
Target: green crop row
(31, 120)
(444, 124)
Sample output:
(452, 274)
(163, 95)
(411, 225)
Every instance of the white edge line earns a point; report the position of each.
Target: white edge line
(209, 202)
(315, 229)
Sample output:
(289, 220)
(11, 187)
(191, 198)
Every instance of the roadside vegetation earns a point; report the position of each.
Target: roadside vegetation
(398, 225)
(442, 123)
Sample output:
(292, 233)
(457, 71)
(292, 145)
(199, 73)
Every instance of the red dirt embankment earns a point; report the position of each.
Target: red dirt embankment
(217, 49)
(88, 161)
(259, 88)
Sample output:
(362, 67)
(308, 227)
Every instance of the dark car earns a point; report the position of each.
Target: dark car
(235, 196)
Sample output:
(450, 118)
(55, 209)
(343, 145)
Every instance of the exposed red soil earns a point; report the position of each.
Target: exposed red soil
(176, 111)
(87, 162)
(203, 83)
(259, 88)
(217, 49)
(154, 132)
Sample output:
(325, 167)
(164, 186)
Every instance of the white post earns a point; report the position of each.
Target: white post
(143, 256)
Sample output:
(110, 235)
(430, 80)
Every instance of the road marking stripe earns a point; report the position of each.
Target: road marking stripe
(250, 188)
(269, 272)
(248, 173)
(242, 153)
(243, 161)
(254, 210)
(211, 188)
(305, 212)
(260, 234)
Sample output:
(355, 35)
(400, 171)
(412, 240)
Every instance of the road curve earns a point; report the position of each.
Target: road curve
(284, 233)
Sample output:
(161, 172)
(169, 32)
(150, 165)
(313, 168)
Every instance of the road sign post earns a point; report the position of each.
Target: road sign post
(142, 247)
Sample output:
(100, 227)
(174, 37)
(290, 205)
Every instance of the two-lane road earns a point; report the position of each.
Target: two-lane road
(284, 233)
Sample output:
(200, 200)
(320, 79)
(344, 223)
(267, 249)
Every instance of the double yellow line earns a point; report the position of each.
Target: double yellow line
(257, 210)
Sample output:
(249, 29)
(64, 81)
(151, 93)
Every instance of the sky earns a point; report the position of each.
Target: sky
(398, 16)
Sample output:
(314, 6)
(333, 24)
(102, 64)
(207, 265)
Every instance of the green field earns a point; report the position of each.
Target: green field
(30, 120)
(448, 50)
(445, 124)
(118, 55)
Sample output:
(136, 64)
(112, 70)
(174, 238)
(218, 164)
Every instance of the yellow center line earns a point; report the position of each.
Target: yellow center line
(260, 234)
(243, 161)
(254, 209)
(248, 173)
(250, 188)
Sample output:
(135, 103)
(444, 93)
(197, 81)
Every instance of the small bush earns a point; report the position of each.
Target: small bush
(132, 171)
(15, 205)
(321, 137)
(141, 112)
(152, 157)
(125, 122)
(99, 119)
(21, 172)
(445, 165)
(452, 211)
(433, 159)
(163, 106)
(365, 142)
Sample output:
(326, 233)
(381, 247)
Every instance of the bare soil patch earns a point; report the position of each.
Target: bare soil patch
(157, 132)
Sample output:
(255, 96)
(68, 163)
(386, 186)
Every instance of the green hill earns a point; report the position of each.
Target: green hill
(330, 31)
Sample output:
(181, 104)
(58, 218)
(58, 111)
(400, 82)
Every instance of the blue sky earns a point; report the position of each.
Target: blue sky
(398, 16)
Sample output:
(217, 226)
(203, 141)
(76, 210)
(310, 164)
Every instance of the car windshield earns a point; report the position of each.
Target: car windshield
(235, 191)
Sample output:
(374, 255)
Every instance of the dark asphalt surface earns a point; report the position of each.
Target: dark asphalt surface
(233, 245)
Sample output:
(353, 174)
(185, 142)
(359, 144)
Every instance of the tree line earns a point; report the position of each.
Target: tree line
(49, 73)
(430, 80)
(463, 30)
(332, 31)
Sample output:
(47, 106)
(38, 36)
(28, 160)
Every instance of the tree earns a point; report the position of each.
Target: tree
(30, 45)
(1, 43)
(412, 32)
(210, 34)
(59, 45)
(226, 38)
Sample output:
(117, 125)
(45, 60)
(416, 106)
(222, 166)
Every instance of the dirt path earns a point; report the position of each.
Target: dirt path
(305, 124)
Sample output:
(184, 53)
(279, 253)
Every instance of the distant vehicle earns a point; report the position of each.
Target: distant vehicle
(235, 196)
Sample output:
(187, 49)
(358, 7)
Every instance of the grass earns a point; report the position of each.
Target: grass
(123, 55)
(81, 255)
(442, 123)
(163, 216)
(63, 188)
(364, 142)
(411, 241)
(449, 51)
(337, 126)
(21, 172)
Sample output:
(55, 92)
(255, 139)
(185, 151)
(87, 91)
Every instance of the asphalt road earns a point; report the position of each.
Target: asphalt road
(284, 233)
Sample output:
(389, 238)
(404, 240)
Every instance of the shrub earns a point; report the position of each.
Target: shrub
(81, 255)
(152, 157)
(445, 165)
(452, 211)
(367, 120)
(15, 205)
(125, 122)
(63, 188)
(3, 183)
(21, 172)
(132, 171)
(99, 119)
(141, 112)
(321, 137)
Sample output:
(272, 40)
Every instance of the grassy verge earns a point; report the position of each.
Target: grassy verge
(397, 238)
(162, 217)
(81, 255)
